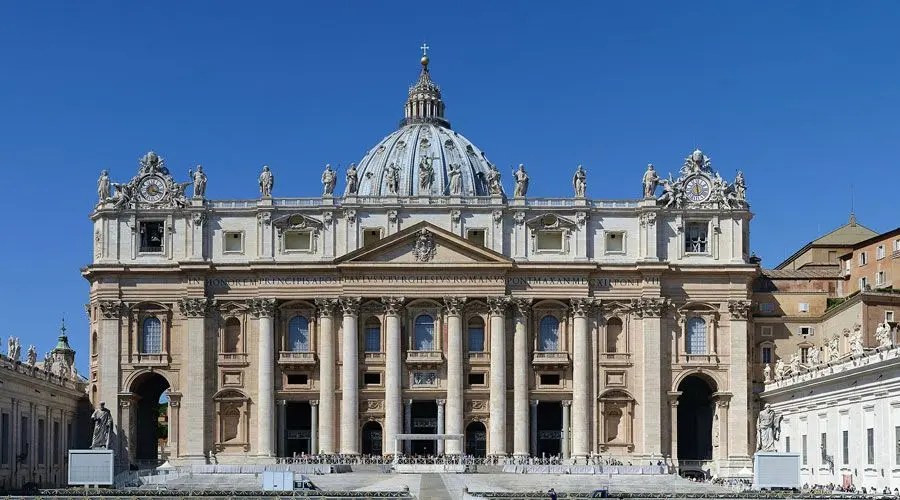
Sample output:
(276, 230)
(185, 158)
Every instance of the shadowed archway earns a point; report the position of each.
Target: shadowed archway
(695, 418)
(149, 412)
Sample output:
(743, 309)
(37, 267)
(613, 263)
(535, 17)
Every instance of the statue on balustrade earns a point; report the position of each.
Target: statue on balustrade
(329, 180)
(103, 426)
(199, 178)
(352, 180)
(103, 185)
(768, 429)
(579, 182)
(856, 341)
(266, 182)
(780, 369)
(650, 181)
(494, 185)
(767, 373)
(813, 357)
(521, 178)
(883, 335)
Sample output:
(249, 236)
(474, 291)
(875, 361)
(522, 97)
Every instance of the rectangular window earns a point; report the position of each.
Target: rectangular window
(615, 242)
(804, 355)
(803, 307)
(373, 339)
(55, 443)
(549, 240)
(696, 237)
(765, 331)
(870, 446)
(767, 307)
(889, 316)
(297, 379)
(863, 283)
(152, 234)
(787, 444)
(298, 241)
(879, 278)
(806, 331)
(766, 355)
(373, 378)
(4, 439)
(832, 256)
(41, 442)
(897, 245)
(477, 236)
(476, 379)
(234, 242)
(879, 252)
(824, 446)
(845, 446)
(23, 435)
(549, 379)
(371, 236)
(863, 258)
(476, 339)
(803, 449)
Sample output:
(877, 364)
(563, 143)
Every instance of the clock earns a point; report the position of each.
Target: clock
(697, 189)
(152, 189)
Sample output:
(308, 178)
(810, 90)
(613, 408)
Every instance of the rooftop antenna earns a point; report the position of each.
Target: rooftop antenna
(852, 212)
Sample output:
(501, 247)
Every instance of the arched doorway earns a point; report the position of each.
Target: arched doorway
(371, 438)
(695, 418)
(151, 428)
(476, 440)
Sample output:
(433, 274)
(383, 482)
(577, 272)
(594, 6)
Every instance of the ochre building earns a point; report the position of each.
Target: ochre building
(422, 293)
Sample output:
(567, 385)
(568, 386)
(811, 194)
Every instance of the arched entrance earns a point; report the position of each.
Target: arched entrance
(151, 428)
(476, 440)
(371, 438)
(695, 418)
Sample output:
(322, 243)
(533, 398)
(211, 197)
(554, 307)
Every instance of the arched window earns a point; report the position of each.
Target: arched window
(696, 336)
(94, 344)
(231, 420)
(151, 336)
(298, 334)
(549, 335)
(373, 335)
(424, 333)
(476, 334)
(614, 340)
(232, 335)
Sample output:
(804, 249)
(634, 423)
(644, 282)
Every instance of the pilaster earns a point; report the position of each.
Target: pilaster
(264, 311)
(651, 310)
(195, 382)
(111, 312)
(738, 407)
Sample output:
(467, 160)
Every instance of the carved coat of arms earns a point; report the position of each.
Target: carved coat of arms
(425, 247)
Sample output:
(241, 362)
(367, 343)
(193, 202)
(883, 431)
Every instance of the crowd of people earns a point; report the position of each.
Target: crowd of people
(850, 488)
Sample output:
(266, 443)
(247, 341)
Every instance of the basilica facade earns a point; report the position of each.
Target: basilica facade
(416, 295)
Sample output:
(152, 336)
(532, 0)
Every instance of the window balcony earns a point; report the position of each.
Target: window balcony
(373, 357)
(615, 358)
(424, 357)
(151, 359)
(296, 358)
(699, 359)
(479, 358)
(550, 358)
(233, 359)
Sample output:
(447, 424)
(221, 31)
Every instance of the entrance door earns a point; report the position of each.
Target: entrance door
(549, 428)
(695, 417)
(476, 440)
(298, 430)
(424, 421)
(371, 438)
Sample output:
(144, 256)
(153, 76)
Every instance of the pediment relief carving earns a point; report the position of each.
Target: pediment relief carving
(551, 221)
(297, 221)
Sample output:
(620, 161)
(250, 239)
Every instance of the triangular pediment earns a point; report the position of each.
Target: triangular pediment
(423, 244)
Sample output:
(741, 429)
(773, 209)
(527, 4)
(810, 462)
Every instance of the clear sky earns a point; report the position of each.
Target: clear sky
(804, 97)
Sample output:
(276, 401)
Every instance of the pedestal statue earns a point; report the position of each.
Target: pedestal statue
(455, 175)
(352, 180)
(199, 179)
(768, 429)
(329, 180)
(650, 181)
(102, 420)
(266, 182)
(579, 182)
(103, 185)
(426, 175)
(521, 182)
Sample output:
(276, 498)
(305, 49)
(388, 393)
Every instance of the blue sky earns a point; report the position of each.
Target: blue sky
(801, 96)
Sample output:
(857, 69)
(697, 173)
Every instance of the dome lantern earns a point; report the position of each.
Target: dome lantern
(424, 103)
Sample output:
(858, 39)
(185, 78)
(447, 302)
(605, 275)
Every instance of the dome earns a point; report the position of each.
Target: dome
(424, 136)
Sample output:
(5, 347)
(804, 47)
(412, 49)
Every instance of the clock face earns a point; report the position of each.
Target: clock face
(152, 189)
(697, 189)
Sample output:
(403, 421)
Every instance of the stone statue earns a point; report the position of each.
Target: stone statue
(31, 356)
(48, 361)
(740, 187)
(393, 179)
(883, 335)
(834, 348)
(768, 429)
(696, 162)
(10, 346)
(650, 181)
(813, 357)
(123, 194)
(669, 196)
(199, 182)
(521, 182)
(495, 188)
(426, 175)
(795, 364)
(780, 369)
(455, 175)
(856, 341)
(352, 180)
(767, 373)
(16, 350)
(579, 182)
(266, 182)
(102, 420)
(329, 180)
(103, 185)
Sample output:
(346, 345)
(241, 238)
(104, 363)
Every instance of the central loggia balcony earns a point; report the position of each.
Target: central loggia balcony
(479, 358)
(550, 358)
(233, 359)
(424, 357)
(151, 359)
(296, 358)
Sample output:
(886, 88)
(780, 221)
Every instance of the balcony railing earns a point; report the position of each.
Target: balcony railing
(296, 358)
(479, 358)
(615, 357)
(374, 357)
(550, 358)
(233, 358)
(424, 357)
(698, 359)
(151, 359)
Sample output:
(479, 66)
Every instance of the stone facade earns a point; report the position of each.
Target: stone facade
(533, 326)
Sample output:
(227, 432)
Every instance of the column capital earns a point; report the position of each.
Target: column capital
(440, 402)
(326, 306)
(497, 305)
(350, 305)
(281, 402)
(566, 403)
(392, 305)
(739, 309)
(196, 307)
(650, 307)
(522, 305)
(582, 306)
(262, 307)
(111, 309)
(673, 398)
(313, 402)
(454, 305)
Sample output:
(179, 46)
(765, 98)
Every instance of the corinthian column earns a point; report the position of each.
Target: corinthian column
(393, 363)
(264, 309)
(651, 310)
(453, 307)
(327, 364)
(497, 317)
(350, 378)
(520, 378)
(581, 375)
(195, 309)
(739, 406)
